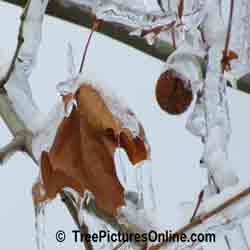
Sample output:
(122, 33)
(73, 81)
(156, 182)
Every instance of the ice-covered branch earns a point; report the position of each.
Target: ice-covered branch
(80, 12)
(17, 108)
(67, 200)
(20, 41)
(21, 113)
(217, 213)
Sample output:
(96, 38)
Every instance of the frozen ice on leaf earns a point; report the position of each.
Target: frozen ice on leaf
(68, 88)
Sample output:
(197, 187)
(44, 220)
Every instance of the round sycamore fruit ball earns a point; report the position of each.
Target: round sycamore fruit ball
(173, 93)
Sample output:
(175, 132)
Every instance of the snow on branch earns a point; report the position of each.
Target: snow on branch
(217, 212)
(156, 23)
(80, 12)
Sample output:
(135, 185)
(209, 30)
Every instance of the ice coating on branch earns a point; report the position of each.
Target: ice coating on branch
(227, 194)
(213, 25)
(18, 87)
(138, 6)
(137, 219)
(185, 61)
(211, 121)
(44, 139)
(95, 225)
(218, 126)
(210, 118)
(226, 221)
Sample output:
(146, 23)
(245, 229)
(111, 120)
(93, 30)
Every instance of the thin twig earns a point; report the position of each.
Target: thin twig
(118, 246)
(200, 199)
(173, 37)
(73, 212)
(224, 61)
(94, 28)
(161, 5)
(227, 243)
(180, 9)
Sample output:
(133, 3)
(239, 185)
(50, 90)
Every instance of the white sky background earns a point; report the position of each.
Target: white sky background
(176, 153)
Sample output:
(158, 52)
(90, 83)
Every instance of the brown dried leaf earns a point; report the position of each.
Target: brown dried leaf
(82, 155)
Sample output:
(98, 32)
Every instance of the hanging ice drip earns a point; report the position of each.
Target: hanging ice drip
(39, 209)
(137, 180)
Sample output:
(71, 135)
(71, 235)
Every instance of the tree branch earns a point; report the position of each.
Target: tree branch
(17, 144)
(14, 120)
(73, 212)
(79, 14)
(202, 218)
(16, 125)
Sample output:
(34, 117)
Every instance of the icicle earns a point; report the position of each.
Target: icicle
(40, 225)
(144, 183)
(196, 121)
(136, 180)
(237, 238)
(39, 209)
(121, 168)
(139, 187)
